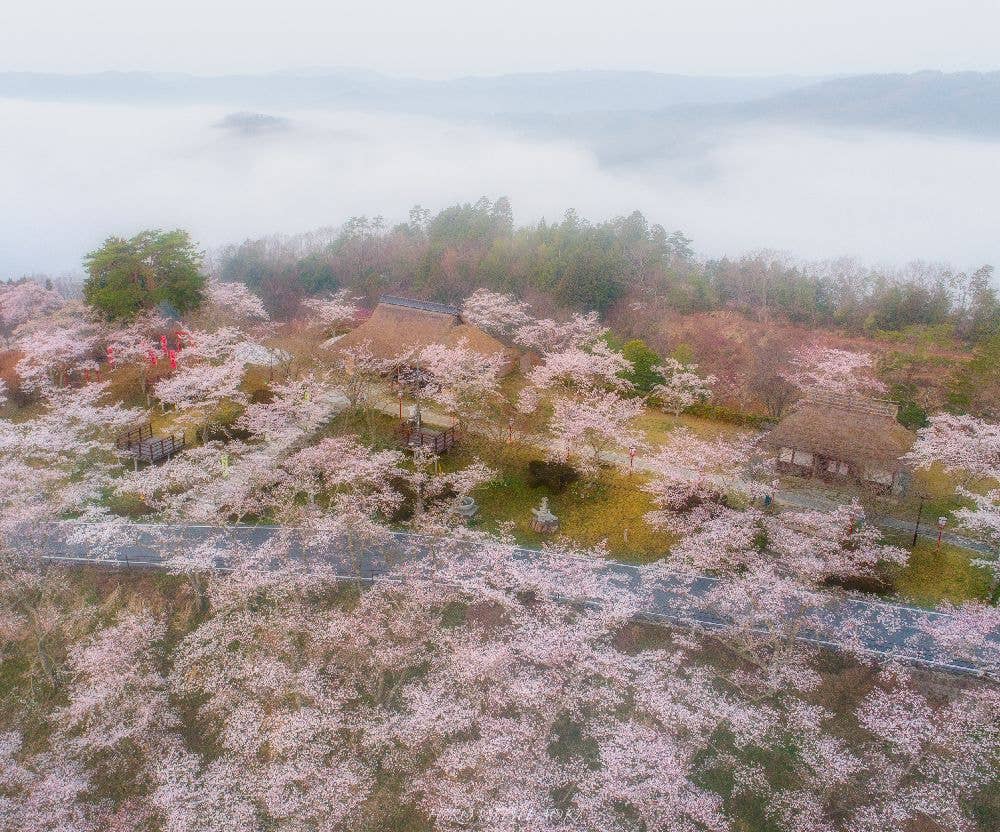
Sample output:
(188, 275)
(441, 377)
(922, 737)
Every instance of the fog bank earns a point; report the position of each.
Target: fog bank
(73, 174)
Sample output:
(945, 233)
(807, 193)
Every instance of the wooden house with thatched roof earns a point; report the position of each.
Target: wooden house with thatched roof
(843, 436)
(398, 325)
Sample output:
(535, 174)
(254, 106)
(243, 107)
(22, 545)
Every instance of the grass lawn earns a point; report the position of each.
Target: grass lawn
(932, 577)
(657, 426)
(610, 508)
(938, 489)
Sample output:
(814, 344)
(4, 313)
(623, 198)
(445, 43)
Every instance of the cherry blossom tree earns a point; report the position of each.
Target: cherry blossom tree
(332, 312)
(210, 372)
(983, 520)
(546, 335)
(682, 386)
(464, 382)
(495, 312)
(131, 346)
(231, 304)
(42, 791)
(25, 301)
(51, 354)
(590, 415)
(968, 632)
(118, 707)
(581, 369)
(60, 462)
(691, 479)
(839, 371)
(962, 444)
(817, 545)
(970, 449)
(584, 431)
(297, 407)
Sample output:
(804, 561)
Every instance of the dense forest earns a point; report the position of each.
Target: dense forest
(581, 265)
(936, 330)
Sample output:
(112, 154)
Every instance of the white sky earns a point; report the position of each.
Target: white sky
(455, 37)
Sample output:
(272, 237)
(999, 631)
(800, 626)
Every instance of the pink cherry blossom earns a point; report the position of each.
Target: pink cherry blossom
(549, 336)
(839, 371)
(494, 312)
(682, 386)
(962, 444)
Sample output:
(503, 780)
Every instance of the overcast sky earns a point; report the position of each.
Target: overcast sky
(456, 37)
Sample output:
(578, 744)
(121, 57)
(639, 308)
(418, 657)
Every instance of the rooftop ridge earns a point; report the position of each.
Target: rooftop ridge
(852, 402)
(423, 305)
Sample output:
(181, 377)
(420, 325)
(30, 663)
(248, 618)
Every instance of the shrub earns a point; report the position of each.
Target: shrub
(911, 415)
(721, 413)
(868, 584)
(554, 475)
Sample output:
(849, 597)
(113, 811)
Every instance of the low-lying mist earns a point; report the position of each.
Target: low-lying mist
(73, 174)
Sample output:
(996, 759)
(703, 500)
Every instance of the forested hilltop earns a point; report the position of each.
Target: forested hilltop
(935, 329)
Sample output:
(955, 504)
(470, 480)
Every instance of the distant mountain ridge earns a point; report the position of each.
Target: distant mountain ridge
(624, 117)
(551, 92)
(963, 102)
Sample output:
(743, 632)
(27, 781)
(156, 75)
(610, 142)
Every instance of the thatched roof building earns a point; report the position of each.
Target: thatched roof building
(835, 435)
(398, 325)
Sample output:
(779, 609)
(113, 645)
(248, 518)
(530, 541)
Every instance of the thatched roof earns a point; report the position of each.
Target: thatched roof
(399, 324)
(844, 426)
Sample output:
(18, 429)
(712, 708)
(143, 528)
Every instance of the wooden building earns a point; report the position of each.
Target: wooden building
(398, 325)
(843, 436)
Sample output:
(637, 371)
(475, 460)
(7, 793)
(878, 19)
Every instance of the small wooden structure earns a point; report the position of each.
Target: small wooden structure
(843, 436)
(140, 444)
(438, 442)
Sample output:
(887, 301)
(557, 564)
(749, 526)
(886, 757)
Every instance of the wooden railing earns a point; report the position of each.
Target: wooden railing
(139, 443)
(134, 436)
(438, 442)
(156, 449)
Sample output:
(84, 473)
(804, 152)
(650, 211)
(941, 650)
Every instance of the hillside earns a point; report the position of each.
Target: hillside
(961, 102)
(552, 92)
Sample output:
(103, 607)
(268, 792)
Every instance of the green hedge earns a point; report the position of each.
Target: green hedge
(730, 415)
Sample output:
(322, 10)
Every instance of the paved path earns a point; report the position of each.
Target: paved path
(832, 620)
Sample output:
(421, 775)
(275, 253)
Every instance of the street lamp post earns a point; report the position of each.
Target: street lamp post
(942, 521)
(399, 395)
(631, 459)
(916, 528)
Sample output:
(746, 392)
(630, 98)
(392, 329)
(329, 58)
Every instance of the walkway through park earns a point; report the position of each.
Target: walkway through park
(837, 621)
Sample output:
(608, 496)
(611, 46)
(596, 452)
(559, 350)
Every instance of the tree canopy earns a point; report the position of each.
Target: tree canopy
(153, 268)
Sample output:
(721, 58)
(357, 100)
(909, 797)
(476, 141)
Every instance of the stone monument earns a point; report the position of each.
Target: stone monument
(545, 521)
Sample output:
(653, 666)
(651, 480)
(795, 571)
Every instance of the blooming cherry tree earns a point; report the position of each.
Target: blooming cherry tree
(25, 301)
(969, 448)
(464, 382)
(546, 335)
(682, 386)
(691, 478)
(232, 304)
(581, 369)
(839, 371)
(960, 444)
(51, 354)
(494, 312)
(333, 311)
(585, 430)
